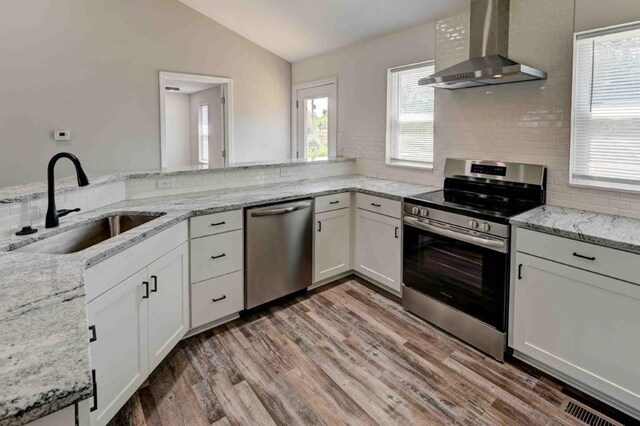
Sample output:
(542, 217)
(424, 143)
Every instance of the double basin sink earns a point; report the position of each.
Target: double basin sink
(89, 234)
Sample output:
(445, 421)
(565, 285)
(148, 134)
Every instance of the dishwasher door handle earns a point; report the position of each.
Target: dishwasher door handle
(280, 211)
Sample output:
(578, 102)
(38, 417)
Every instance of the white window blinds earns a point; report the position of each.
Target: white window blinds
(410, 116)
(606, 109)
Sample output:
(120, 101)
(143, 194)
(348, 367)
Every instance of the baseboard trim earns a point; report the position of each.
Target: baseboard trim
(211, 325)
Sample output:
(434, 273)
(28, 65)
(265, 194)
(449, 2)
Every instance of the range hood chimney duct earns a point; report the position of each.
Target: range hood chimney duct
(488, 50)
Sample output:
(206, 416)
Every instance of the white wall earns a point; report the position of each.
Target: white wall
(92, 67)
(361, 69)
(178, 128)
(212, 98)
(524, 122)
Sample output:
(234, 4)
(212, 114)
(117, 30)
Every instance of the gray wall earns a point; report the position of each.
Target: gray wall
(591, 14)
(178, 128)
(92, 67)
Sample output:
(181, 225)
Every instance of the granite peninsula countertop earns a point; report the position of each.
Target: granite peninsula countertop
(44, 351)
(613, 231)
(36, 190)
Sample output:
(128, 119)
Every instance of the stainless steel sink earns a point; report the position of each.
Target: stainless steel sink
(85, 236)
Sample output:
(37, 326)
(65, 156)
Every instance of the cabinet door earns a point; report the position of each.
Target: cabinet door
(332, 243)
(378, 249)
(119, 353)
(168, 302)
(581, 324)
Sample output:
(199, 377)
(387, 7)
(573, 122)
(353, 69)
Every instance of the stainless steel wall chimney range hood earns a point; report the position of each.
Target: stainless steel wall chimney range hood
(488, 48)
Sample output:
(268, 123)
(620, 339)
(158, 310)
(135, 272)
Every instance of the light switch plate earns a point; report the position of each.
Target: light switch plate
(166, 183)
(62, 135)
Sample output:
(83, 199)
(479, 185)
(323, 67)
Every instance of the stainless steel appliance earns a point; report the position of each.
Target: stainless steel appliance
(278, 251)
(456, 248)
(488, 62)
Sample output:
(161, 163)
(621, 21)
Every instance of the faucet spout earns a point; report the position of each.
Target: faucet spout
(53, 215)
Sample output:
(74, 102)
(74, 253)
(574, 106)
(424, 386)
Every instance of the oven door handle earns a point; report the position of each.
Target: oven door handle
(497, 245)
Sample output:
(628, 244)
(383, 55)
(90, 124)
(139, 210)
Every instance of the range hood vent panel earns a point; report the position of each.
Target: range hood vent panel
(488, 47)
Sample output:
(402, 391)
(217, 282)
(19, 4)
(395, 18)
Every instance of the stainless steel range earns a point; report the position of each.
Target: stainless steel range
(456, 248)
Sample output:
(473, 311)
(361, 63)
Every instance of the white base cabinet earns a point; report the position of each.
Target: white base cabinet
(332, 244)
(580, 324)
(136, 322)
(378, 248)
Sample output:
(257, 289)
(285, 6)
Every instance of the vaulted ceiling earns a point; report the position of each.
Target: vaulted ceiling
(297, 29)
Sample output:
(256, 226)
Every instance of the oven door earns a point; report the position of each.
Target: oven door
(458, 267)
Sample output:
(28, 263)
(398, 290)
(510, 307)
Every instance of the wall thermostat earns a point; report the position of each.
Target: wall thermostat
(62, 135)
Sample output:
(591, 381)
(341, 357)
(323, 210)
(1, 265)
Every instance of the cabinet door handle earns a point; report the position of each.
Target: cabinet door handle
(155, 284)
(520, 271)
(584, 257)
(95, 391)
(146, 289)
(224, 296)
(376, 205)
(334, 202)
(218, 223)
(396, 232)
(94, 336)
(319, 226)
(219, 256)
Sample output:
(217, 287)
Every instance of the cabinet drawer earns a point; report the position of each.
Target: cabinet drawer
(215, 223)
(216, 298)
(379, 205)
(602, 260)
(332, 202)
(216, 255)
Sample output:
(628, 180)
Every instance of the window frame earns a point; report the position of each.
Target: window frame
(388, 139)
(201, 135)
(581, 182)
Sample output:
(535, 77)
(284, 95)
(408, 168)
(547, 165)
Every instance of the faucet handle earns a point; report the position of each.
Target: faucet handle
(64, 212)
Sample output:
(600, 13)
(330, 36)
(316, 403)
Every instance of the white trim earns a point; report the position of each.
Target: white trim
(387, 145)
(228, 109)
(333, 131)
(588, 183)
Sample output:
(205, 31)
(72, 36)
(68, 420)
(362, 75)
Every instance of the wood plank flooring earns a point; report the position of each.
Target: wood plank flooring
(343, 354)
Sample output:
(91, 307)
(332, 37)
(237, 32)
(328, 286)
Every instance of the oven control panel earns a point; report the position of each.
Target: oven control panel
(489, 170)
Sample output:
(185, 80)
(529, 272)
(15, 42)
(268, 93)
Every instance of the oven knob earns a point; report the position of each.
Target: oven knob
(424, 212)
(484, 227)
(415, 210)
(472, 223)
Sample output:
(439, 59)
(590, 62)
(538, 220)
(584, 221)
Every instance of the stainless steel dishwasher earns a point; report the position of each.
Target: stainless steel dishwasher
(278, 252)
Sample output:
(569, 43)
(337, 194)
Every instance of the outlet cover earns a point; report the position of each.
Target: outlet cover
(166, 183)
(359, 153)
(285, 172)
(62, 135)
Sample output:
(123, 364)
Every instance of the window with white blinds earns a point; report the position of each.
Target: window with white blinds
(605, 137)
(410, 116)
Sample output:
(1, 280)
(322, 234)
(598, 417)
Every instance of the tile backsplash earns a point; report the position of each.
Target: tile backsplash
(524, 122)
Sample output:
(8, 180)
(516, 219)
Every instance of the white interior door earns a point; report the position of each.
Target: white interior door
(316, 124)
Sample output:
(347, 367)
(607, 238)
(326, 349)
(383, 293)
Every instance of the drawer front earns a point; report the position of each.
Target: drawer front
(332, 202)
(215, 223)
(216, 255)
(601, 260)
(379, 205)
(216, 298)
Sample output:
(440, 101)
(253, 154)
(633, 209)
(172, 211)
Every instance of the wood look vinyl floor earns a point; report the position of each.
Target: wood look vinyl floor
(343, 354)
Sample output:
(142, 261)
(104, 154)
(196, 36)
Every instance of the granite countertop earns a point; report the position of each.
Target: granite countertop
(32, 191)
(613, 231)
(44, 354)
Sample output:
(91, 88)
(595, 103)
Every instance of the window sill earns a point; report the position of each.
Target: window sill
(604, 185)
(410, 165)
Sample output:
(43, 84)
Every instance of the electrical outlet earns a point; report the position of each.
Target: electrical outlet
(166, 183)
(61, 135)
(285, 172)
(359, 153)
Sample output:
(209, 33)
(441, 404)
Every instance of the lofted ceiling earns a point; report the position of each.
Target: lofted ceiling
(297, 29)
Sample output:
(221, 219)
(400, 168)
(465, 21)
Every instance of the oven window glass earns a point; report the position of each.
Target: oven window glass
(464, 276)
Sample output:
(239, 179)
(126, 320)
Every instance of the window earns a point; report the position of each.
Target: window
(410, 116)
(315, 123)
(203, 133)
(605, 133)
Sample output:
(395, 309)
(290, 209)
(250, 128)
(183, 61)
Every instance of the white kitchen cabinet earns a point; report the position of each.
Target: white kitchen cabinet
(332, 243)
(581, 325)
(168, 302)
(119, 354)
(378, 248)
